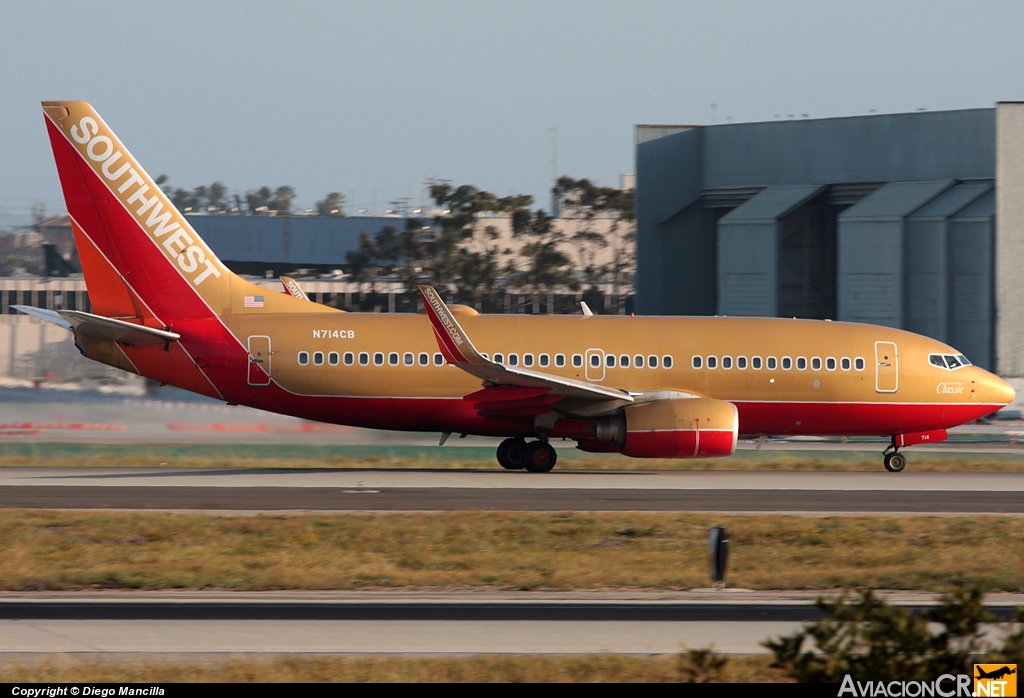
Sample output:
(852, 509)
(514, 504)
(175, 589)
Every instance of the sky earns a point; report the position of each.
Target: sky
(372, 99)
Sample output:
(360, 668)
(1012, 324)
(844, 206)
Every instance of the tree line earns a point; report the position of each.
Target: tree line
(461, 252)
(215, 199)
(468, 259)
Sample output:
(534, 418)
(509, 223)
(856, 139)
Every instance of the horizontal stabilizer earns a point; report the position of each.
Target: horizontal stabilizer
(51, 316)
(101, 327)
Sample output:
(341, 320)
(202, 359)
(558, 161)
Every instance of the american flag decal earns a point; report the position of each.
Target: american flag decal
(253, 301)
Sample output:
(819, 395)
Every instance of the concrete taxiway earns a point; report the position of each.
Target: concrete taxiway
(447, 490)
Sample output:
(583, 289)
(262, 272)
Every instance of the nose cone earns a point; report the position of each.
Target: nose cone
(997, 391)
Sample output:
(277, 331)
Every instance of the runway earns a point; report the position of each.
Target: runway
(228, 490)
(409, 622)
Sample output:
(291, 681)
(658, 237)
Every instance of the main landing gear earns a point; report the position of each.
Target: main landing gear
(895, 461)
(535, 456)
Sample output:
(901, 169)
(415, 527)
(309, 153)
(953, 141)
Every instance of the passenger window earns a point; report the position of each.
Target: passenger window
(332, 358)
(787, 363)
(712, 362)
(407, 358)
(801, 363)
(544, 360)
(303, 358)
(499, 359)
(741, 362)
(527, 359)
(439, 359)
(697, 361)
(830, 364)
(577, 360)
(513, 359)
(845, 363)
(624, 361)
(755, 363)
(666, 361)
(595, 360)
(726, 362)
(318, 358)
(858, 363)
(609, 359)
(378, 359)
(816, 363)
(364, 358)
(393, 358)
(559, 360)
(424, 358)
(638, 361)
(349, 358)
(772, 363)
(652, 361)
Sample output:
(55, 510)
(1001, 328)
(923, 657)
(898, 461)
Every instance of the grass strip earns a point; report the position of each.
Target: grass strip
(42, 549)
(484, 668)
(468, 458)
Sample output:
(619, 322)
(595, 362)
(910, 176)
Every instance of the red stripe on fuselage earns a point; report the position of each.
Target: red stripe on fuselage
(854, 419)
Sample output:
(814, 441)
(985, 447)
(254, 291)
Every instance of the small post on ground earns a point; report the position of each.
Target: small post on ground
(718, 555)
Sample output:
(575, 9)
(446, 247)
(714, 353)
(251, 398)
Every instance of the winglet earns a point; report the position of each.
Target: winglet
(451, 338)
(292, 288)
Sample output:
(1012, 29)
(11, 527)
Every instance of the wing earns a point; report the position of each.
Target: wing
(459, 351)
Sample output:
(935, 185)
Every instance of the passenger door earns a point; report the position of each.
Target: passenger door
(259, 360)
(887, 367)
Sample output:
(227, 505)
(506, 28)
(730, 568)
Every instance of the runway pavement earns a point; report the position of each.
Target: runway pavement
(447, 490)
(410, 622)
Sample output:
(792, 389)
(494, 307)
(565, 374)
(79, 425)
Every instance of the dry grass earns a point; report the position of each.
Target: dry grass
(302, 669)
(78, 550)
(471, 458)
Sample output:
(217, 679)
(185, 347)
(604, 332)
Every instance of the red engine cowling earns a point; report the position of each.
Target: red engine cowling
(685, 428)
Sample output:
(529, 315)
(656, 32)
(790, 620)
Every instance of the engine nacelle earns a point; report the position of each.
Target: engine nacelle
(684, 428)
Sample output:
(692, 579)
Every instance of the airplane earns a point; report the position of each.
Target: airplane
(994, 674)
(165, 307)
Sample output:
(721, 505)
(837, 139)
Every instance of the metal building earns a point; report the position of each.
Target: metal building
(905, 220)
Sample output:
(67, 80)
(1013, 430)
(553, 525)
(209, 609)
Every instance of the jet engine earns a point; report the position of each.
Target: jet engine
(681, 428)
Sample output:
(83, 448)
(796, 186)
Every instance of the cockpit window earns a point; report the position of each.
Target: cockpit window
(948, 361)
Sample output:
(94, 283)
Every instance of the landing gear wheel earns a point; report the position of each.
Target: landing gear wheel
(539, 457)
(895, 462)
(510, 454)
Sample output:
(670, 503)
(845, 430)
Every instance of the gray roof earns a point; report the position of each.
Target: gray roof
(952, 200)
(772, 203)
(895, 200)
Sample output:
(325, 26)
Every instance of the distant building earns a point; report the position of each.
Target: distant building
(904, 220)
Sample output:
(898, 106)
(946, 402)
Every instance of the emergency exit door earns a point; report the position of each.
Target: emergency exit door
(259, 360)
(887, 368)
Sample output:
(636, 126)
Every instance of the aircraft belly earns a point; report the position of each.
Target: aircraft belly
(855, 419)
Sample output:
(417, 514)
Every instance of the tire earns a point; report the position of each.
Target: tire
(510, 454)
(895, 462)
(539, 457)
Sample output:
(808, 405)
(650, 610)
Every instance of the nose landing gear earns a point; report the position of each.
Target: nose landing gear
(535, 456)
(895, 461)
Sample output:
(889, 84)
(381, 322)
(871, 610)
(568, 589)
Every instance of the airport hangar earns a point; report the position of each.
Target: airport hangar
(913, 221)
